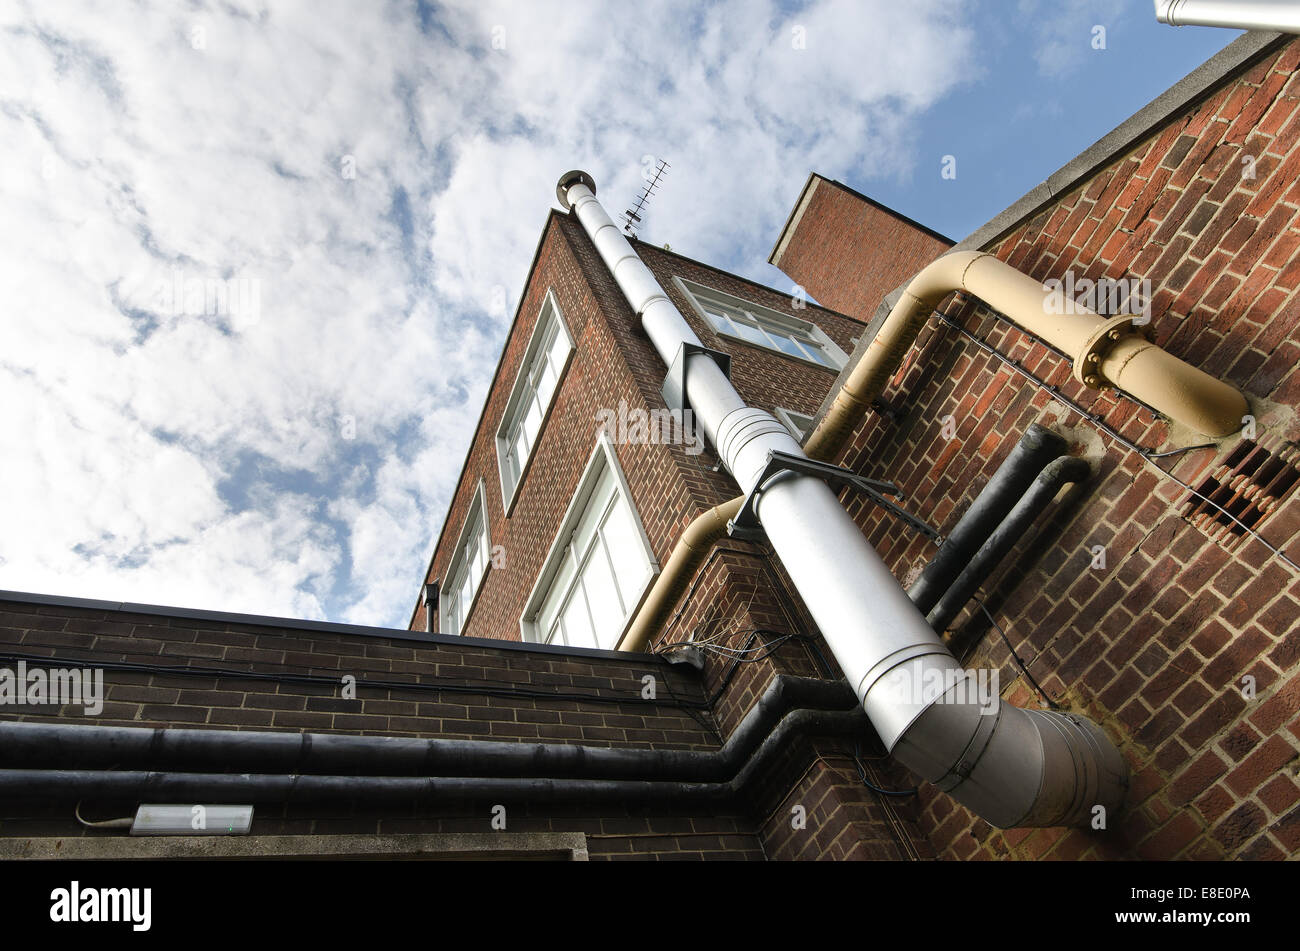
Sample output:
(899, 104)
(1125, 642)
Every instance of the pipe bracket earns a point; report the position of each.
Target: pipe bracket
(746, 527)
(674, 386)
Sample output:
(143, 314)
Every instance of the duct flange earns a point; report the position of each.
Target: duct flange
(1087, 362)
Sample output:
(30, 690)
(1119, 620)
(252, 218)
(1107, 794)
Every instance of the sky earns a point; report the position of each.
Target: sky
(258, 259)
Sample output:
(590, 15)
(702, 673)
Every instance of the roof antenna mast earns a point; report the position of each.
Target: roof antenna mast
(632, 216)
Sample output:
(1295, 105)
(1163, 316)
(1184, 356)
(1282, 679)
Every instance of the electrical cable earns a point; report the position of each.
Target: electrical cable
(1014, 656)
(862, 774)
(103, 823)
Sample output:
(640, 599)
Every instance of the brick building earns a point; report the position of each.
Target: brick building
(577, 682)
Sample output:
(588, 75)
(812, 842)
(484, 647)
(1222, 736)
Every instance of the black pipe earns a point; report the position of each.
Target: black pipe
(149, 786)
(136, 749)
(1036, 448)
(1014, 527)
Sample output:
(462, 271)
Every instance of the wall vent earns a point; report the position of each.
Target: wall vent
(1250, 483)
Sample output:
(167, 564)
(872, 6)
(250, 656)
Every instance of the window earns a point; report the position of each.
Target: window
(598, 567)
(468, 565)
(530, 399)
(797, 423)
(763, 327)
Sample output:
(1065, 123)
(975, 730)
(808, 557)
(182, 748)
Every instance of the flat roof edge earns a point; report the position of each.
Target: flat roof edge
(299, 625)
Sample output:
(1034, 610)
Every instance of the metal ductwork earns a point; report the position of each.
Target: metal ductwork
(1010, 766)
(1281, 16)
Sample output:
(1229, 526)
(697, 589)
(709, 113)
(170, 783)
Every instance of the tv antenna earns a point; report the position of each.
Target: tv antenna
(632, 216)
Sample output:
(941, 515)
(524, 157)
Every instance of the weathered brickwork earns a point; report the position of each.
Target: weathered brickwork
(169, 671)
(847, 251)
(175, 671)
(1155, 644)
(613, 362)
(741, 597)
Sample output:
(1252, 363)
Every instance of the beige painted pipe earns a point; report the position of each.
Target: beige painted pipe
(1105, 350)
(696, 542)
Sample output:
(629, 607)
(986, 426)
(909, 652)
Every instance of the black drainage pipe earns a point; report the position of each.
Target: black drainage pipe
(1036, 448)
(1014, 527)
(150, 786)
(63, 746)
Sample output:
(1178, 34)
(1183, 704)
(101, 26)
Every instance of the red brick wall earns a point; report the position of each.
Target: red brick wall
(848, 252)
(233, 675)
(211, 674)
(740, 591)
(614, 361)
(1154, 645)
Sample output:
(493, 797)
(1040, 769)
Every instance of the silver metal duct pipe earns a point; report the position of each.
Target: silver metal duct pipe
(1281, 16)
(1012, 767)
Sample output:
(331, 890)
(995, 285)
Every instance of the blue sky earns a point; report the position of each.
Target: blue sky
(260, 257)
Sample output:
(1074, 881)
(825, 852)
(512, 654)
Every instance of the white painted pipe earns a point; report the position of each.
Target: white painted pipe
(1279, 16)
(1012, 767)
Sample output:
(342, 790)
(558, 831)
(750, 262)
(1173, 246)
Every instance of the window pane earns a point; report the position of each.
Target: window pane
(559, 352)
(720, 320)
(545, 385)
(532, 422)
(577, 624)
(510, 469)
(787, 345)
(752, 334)
(466, 592)
(602, 596)
(626, 551)
(593, 514)
(824, 357)
(557, 593)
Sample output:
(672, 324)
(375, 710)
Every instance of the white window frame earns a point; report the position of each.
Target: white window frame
(450, 593)
(539, 358)
(772, 325)
(601, 464)
(789, 419)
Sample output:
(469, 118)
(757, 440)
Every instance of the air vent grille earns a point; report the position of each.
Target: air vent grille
(1250, 483)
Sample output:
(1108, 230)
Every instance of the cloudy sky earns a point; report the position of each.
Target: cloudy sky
(365, 183)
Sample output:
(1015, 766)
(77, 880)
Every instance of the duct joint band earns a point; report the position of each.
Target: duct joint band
(961, 769)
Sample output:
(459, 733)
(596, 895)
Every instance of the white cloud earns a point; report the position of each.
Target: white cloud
(153, 454)
(1065, 33)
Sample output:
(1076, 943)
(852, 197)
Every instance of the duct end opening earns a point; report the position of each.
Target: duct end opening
(574, 177)
(1019, 768)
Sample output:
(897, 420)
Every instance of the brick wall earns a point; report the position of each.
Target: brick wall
(1153, 645)
(848, 251)
(741, 595)
(614, 361)
(164, 670)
